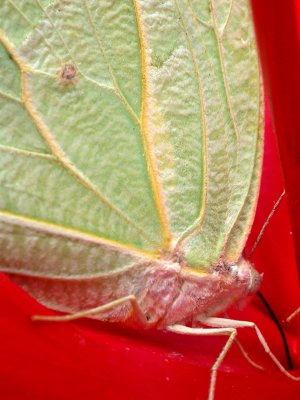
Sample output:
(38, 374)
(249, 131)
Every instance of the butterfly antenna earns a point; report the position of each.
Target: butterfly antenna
(258, 239)
(279, 327)
(260, 295)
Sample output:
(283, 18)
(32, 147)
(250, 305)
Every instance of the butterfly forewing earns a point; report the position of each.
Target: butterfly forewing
(153, 147)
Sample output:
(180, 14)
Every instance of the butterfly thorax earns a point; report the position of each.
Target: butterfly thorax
(210, 293)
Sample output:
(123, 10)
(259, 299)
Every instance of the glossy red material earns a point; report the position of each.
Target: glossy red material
(88, 359)
(278, 35)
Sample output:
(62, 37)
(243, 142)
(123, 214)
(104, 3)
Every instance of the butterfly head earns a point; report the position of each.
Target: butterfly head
(245, 271)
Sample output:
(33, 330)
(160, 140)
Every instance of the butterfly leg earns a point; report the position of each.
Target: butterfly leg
(290, 317)
(231, 332)
(247, 357)
(224, 322)
(97, 310)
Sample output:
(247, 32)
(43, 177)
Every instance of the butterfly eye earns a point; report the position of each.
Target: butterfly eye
(68, 73)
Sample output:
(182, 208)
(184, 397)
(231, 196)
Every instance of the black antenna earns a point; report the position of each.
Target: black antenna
(279, 327)
(260, 295)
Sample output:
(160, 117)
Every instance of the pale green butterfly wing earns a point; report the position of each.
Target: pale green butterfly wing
(207, 119)
(154, 144)
(223, 48)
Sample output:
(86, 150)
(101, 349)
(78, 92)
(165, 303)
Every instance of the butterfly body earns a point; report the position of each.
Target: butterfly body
(167, 293)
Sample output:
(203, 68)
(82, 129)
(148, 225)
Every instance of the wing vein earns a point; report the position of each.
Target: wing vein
(224, 72)
(56, 150)
(109, 67)
(115, 91)
(151, 164)
(10, 97)
(61, 231)
(24, 16)
(206, 24)
(254, 166)
(27, 153)
(227, 18)
(202, 207)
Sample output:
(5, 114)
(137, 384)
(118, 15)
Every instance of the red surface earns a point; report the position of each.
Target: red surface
(278, 34)
(91, 360)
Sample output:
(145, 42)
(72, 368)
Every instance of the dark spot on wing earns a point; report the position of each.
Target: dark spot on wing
(68, 74)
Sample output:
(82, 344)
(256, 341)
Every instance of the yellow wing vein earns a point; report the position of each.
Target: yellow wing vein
(258, 128)
(61, 231)
(200, 219)
(27, 153)
(196, 227)
(227, 18)
(206, 24)
(152, 168)
(47, 200)
(109, 67)
(10, 97)
(33, 26)
(58, 33)
(104, 87)
(224, 72)
(228, 95)
(56, 149)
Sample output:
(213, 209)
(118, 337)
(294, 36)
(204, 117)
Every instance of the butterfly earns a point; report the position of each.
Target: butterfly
(128, 195)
